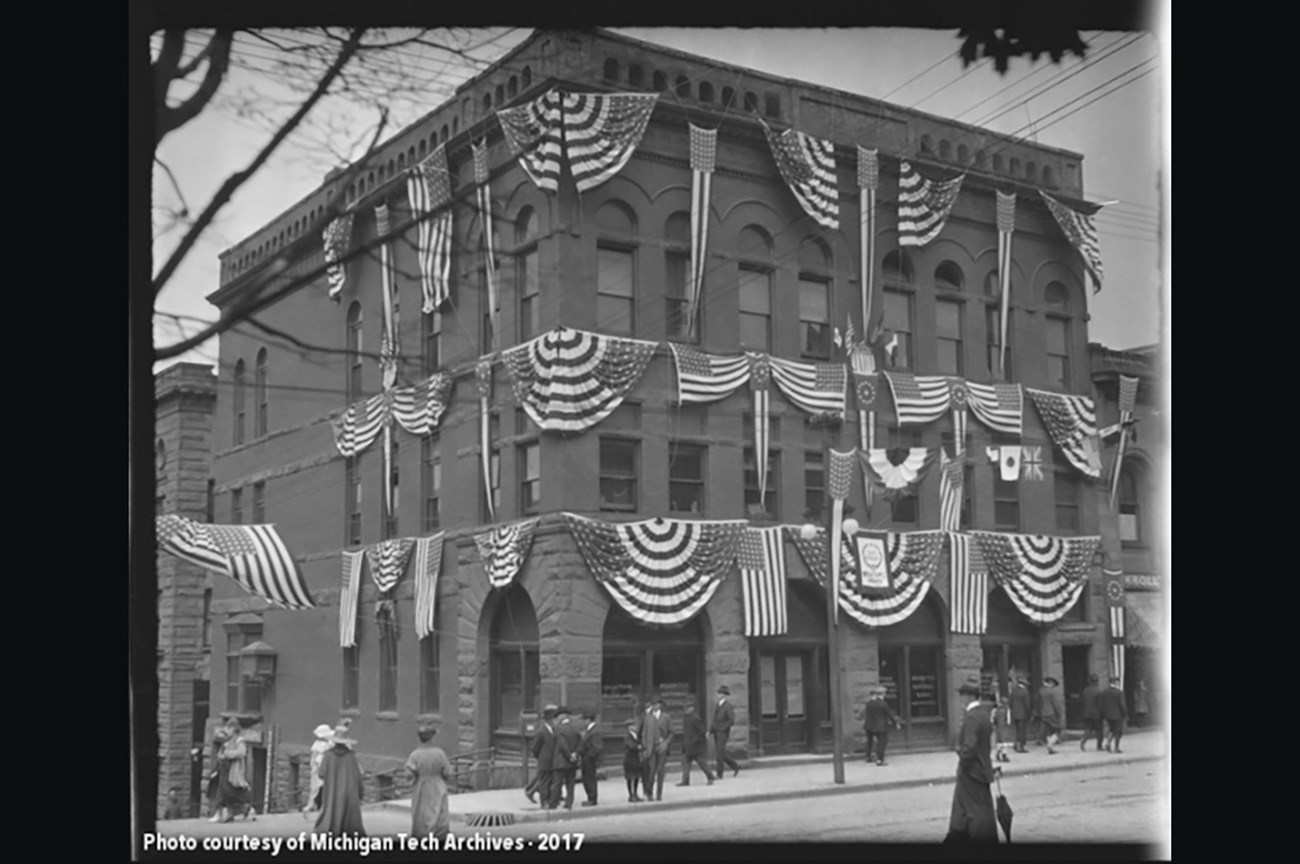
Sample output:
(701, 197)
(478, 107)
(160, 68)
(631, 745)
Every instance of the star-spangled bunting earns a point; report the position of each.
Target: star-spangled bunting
(1082, 234)
(1006, 227)
(761, 556)
(532, 132)
(919, 398)
(428, 564)
(418, 409)
(1042, 575)
(707, 377)
(428, 187)
(252, 555)
(1071, 423)
(923, 205)
(807, 165)
(998, 406)
(896, 471)
(337, 238)
(504, 549)
(349, 595)
(704, 150)
(387, 561)
(817, 388)
(601, 130)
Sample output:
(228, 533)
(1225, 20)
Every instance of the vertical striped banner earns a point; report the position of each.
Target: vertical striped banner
(388, 340)
(348, 596)
(428, 563)
(1117, 662)
(760, 374)
(868, 183)
(951, 480)
(1117, 606)
(1006, 225)
(484, 193)
(762, 581)
(1128, 385)
(483, 373)
(969, 582)
(704, 153)
(838, 484)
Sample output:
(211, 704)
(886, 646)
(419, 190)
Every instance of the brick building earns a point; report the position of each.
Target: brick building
(186, 395)
(612, 260)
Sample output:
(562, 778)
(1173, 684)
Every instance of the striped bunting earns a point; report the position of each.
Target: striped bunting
(428, 188)
(969, 583)
(252, 555)
(807, 166)
(999, 406)
(1042, 575)
(1071, 423)
(923, 205)
(660, 571)
(762, 581)
(387, 561)
(571, 379)
(337, 238)
(504, 550)
(1081, 233)
(360, 425)
(428, 563)
(532, 132)
(706, 377)
(918, 398)
(601, 130)
(817, 388)
(897, 471)
(1006, 227)
(952, 476)
(349, 594)
(484, 195)
(419, 408)
(704, 153)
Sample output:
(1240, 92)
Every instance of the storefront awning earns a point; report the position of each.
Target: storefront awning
(1146, 613)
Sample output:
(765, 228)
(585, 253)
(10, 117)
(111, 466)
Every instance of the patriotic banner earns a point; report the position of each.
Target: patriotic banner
(1115, 603)
(760, 374)
(428, 564)
(1042, 575)
(863, 365)
(919, 398)
(571, 379)
(868, 184)
(360, 424)
(601, 130)
(660, 571)
(838, 486)
(349, 594)
(923, 205)
(952, 476)
(1000, 407)
(873, 561)
(419, 408)
(504, 549)
(484, 195)
(387, 562)
(1006, 226)
(896, 471)
(337, 237)
(1128, 385)
(388, 341)
(704, 153)
(969, 580)
(817, 388)
(807, 166)
(1071, 423)
(252, 555)
(532, 132)
(958, 396)
(1082, 235)
(428, 188)
(761, 555)
(706, 377)
(483, 380)
(1031, 464)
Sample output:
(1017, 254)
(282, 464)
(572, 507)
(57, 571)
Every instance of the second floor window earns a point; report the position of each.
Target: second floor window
(530, 477)
(770, 506)
(677, 267)
(898, 321)
(1130, 507)
(814, 483)
(1006, 494)
(949, 331)
(1058, 353)
(905, 509)
(755, 287)
(352, 500)
(686, 477)
(394, 507)
(618, 474)
(614, 291)
(355, 347)
(430, 481)
(1065, 485)
(814, 319)
(527, 274)
(238, 403)
(261, 372)
(236, 506)
(259, 503)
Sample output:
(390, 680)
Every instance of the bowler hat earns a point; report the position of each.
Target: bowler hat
(563, 709)
(724, 690)
(548, 711)
(971, 686)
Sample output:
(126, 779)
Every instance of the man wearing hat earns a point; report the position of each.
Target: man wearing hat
(656, 735)
(1051, 711)
(695, 744)
(1091, 713)
(724, 717)
(565, 762)
(1114, 712)
(589, 750)
(878, 719)
(973, 818)
(544, 746)
(1021, 709)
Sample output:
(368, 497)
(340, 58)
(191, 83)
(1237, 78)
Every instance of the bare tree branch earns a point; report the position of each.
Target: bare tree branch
(184, 71)
(170, 119)
(185, 208)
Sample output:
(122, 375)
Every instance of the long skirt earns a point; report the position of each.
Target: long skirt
(973, 818)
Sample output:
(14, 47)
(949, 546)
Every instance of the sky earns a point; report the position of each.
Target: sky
(1110, 106)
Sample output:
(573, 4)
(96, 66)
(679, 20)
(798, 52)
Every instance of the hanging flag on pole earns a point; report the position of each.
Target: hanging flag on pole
(1115, 602)
(483, 378)
(839, 482)
(923, 205)
(1082, 234)
(428, 563)
(1128, 385)
(428, 188)
(969, 577)
(1006, 225)
(760, 375)
(952, 474)
(863, 366)
(337, 237)
(868, 183)
(252, 555)
(388, 338)
(484, 195)
(704, 151)
(761, 557)
(807, 165)
(348, 595)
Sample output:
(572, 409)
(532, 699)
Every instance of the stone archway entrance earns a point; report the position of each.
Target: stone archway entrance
(514, 673)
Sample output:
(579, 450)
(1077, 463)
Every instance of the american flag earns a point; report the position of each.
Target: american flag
(923, 205)
(1128, 386)
(532, 132)
(970, 585)
(504, 549)
(807, 165)
(419, 408)
(337, 237)
(348, 596)
(483, 381)
(918, 398)
(1000, 406)
(252, 555)
(360, 425)
(1006, 226)
(818, 388)
(429, 188)
(1071, 423)
(762, 581)
(952, 473)
(428, 563)
(387, 561)
(1082, 235)
(706, 377)
(868, 183)
(387, 339)
(484, 193)
(704, 152)
(601, 130)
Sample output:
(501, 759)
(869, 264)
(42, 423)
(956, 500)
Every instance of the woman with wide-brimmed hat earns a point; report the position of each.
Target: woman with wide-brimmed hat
(324, 734)
(432, 771)
(342, 789)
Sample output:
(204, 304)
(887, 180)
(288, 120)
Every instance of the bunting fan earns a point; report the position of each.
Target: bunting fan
(1042, 575)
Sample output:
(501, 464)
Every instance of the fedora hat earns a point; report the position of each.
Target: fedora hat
(549, 711)
(971, 686)
(724, 690)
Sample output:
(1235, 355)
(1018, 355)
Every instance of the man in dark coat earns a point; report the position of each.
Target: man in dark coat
(724, 717)
(564, 765)
(1021, 709)
(695, 745)
(656, 735)
(340, 812)
(1091, 713)
(1051, 711)
(1114, 712)
(544, 745)
(878, 718)
(973, 818)
(589, 750)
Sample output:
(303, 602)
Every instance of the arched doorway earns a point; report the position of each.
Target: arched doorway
(789, 698)
(514, 674)
(912, 673)
(1010, 647)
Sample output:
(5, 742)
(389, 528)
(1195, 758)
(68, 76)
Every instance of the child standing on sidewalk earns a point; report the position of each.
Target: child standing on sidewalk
(632, 758)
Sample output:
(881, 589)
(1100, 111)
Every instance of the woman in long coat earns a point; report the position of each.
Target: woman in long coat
(972, 819)
(341, 794)
(234, 795)
(430, 806)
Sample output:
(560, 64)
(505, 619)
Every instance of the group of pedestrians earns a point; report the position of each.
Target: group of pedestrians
(1103, 707)
(564, 749)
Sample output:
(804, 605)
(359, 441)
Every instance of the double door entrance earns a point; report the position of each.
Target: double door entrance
(790, 689)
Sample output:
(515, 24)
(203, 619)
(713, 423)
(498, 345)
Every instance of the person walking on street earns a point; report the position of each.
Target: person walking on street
(695, 745)
(1051, 712)
(656, 735)
(972, 819)
(431, 772)
(544, 745)
(235, 793)
(565, 763)
(340, 812)
(589, 750)
(1114, 712)
(724, 717)
(632, 758)
(1021, 708)
(1091, 713)
(219, 736)
(878, 717)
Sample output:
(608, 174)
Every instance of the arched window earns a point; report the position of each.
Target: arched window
(814, 299)
(706, 91)
(963, 154)
(512, 87)
(948, 277)
(950, 316)
(677, 265)
(659, 82)
(455, 125)
(1048, 178)
(751, 101)
(683, 87)
(442, 134)
(611, 69)
(772, 105)
(370, 180)
(355, 347)
(1131, 498)
(262, 418)
(898, 313)
(515, 669)
(1031, 172)
(728, 97)
(945, 149)
(238, 402)
(616, 270)
(1015, 167)
(527, 274)
(927, 146)
(1057, 295)
(1058, 326)
(528, 77)
(635, 75)
(500, 95)
(997, 162)
(754, 286)
(981, 160)
(423, 149)
(401, 161)
(352, 191)
(487, 101)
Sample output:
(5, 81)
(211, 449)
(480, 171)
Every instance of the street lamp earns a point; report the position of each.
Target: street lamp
(809, 532)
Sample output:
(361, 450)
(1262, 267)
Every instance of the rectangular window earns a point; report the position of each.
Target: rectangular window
(430, 481)
(388, 674)
(614, 291)
(906, 509)
(529, 279)
(429, 697)
(755, 288)
(391, 518)
(259, 503)
(770, 506)
(686, 477)
(618, 470)
(814, 483)
(236, 506)
(993, 344)
(207, 618)
(1006, 493)
(949, 331)
(814, 319)
(352, 500)
(242, 696)
(431, 341)
(677, 266)
(1058, 354)
(530, 477)
(1065, 483)
(898, 321)
(352, 677)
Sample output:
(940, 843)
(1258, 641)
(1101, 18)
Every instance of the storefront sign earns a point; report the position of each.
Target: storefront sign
(1142, 582)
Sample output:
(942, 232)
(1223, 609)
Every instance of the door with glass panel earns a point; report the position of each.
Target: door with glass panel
(783, 701)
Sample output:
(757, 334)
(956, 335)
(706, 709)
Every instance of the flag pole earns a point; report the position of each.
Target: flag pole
(832, 619)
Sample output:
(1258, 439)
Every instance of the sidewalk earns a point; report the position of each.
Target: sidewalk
(509, 806)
